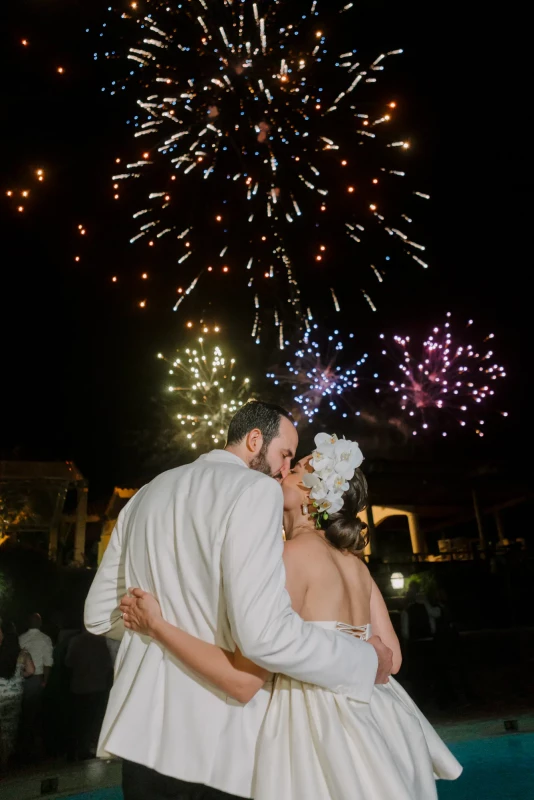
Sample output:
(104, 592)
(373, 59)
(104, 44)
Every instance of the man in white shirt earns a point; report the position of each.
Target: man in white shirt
(418, 618)
(40, 648)
(206, 540)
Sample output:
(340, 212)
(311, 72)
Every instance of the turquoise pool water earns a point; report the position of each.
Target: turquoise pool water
(101, 794)
(501, 768)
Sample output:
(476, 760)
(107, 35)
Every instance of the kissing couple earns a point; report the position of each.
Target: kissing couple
(250, 667)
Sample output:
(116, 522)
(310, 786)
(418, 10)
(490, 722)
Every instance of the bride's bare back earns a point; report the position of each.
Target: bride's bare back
(338, 585)
(328, 585)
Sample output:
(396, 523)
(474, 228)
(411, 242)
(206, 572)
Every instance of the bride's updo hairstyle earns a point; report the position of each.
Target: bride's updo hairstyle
(344, 530)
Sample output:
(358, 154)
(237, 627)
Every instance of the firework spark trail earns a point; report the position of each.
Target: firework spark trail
(19, 196)
(251, 123)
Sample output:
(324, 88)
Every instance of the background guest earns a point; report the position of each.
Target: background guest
(91, 667)
(15, 666)
(57, 698)
(40, 648)
(418, 629)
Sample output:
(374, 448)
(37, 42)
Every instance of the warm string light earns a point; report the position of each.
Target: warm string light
(449, 382)
(249, 108)
(203, 391)
(321, 384)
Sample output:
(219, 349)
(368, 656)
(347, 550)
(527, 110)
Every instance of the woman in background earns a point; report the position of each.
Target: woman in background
(15, 666)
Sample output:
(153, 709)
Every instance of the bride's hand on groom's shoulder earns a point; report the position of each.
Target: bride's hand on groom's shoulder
(140, 612)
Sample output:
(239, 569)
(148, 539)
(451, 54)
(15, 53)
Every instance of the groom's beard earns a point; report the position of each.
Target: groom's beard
(259, 464)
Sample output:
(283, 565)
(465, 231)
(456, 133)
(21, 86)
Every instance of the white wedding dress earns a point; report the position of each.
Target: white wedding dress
(318, 745)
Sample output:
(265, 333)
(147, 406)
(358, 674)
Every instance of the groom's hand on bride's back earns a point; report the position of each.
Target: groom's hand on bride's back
(385, 659)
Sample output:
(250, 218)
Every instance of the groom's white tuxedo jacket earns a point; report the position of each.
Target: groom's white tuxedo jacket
(206, 539)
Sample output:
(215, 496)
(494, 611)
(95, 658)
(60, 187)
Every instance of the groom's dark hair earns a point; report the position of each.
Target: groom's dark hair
(256, 414)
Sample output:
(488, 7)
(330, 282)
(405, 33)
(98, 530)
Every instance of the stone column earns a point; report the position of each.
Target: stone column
(81, 522)
(368, 551)
(416, 534)
(53, 536)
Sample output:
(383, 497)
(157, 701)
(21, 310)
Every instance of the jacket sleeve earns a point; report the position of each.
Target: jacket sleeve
(102, 615)
(264, 626)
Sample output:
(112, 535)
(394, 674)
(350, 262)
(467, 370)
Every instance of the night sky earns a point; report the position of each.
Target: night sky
(79, 373)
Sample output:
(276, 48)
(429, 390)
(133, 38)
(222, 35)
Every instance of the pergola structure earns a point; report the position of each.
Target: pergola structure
(43, 486)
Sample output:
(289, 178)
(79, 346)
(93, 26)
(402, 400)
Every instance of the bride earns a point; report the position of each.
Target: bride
(317, 744)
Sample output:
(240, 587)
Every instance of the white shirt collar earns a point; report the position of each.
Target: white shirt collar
(223, 455)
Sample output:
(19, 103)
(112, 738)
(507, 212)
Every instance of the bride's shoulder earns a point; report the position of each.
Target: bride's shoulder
(362, 568)
(304, 546)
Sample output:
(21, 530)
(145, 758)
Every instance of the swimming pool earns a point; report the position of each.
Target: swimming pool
(497, 768)
(500, 768)
(101, 794)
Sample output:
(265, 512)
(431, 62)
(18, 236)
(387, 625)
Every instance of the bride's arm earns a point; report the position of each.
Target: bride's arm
(382, 626)
(231, 672)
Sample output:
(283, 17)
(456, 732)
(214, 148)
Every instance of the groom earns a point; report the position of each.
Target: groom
(206, 540)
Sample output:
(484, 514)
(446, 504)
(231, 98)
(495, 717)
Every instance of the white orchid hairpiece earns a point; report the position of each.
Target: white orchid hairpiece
(334, 462)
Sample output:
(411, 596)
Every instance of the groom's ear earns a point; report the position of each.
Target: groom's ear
(254, 440)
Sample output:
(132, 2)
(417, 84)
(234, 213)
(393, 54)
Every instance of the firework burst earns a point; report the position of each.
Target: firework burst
(321, 384)
(260, 147)
(204, 394)
(450, 380)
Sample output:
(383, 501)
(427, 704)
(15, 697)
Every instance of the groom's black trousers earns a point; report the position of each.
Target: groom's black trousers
(142, 783)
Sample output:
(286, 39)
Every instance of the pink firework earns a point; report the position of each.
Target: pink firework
(449, 376)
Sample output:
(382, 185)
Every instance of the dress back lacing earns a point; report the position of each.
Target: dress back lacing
(358, 631)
